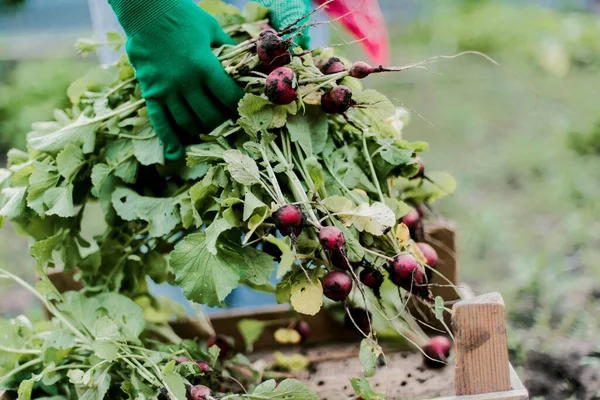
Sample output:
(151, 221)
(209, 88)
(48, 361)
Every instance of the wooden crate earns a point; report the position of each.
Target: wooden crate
(481, 372)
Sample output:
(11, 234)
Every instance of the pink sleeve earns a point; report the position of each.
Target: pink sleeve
(364, 20)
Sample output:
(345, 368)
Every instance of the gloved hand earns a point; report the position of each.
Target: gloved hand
(286, 12)
(184, 84)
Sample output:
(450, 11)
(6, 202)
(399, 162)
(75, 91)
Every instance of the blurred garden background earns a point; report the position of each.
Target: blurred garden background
(521, 138)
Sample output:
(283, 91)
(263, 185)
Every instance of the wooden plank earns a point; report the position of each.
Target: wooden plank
(482, 364)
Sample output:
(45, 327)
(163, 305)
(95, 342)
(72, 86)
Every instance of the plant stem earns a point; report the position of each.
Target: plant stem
(20, 351)
(371, 168)
(280, 198)
(324, 78)
(48, 306)
(20, 368)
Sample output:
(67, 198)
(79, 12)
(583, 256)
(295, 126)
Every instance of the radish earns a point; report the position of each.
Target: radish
(332, 66)
(180, 359)
(437, 351)
(421, 209)
(272, 50)
(281, 86)
(431, 257)
(204, 367)
(412, 219)
(360, 70)
(361, 318)
(303, 328)
(200, 392)
(406, 272)
(421, 172)
(221, 342)
(331, 238)
(289, 220)
(372, 278)
(337, 285)
(340, 260)
(338, 100)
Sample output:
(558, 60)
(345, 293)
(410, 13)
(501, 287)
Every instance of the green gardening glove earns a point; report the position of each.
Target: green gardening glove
(184, 84)
(286, 12)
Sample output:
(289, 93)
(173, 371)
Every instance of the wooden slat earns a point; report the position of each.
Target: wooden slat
(482, 364)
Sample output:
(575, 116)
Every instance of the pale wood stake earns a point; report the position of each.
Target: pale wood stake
(482, 364)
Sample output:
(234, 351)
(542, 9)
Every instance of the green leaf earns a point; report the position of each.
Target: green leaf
(96, 79)
(259, 264)
(149, 151)
(44, 177)
(204, 153)
(255, 115)
(396, 156)
(59, 201)
(251, 330)
(362, 388)
(99, 174)
(254, 12)
(42, 249)
(252, 204)
(57, 345)
(439, 308)
(368, 355)
(214, 352)
(69, 161)
(287, 256)
(399, 208)
(97, 387)
(26, 387)
(242, 168)
(376, 219)
(106, 350)
(206, 278)
(16, 204)
(128, 316)
(289, 389)
(309, 130)
(81, 133)
(213, 232)
(354, 249)
(160, 213)
(374, 104)
(315, 171)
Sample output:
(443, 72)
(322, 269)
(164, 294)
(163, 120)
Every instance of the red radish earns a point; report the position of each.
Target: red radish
(281, 86)
(337, 285)
(338, 100)
(331, 238)
(406, 272)
(181, 359)
(204, 367)
(371, 278)
(340, 260)
(200, 392)
(421, 172)
(221, 342)
(303, 328)
(431, 257)
(332, 66)
(412, 219)
(360, 70)
(437, 351)
(289, 220)
(421, 209)
(358, 317)
(272, 50)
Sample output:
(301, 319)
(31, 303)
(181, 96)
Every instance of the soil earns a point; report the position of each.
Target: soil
(564, 375)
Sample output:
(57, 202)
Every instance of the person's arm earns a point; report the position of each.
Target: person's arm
(169, 44)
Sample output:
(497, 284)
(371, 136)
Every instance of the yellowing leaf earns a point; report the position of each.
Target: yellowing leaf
(307, 297)
(416, 251)
(338, 204)
(292, 363)
(287, 336)
(376, 219)
(402, 234)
